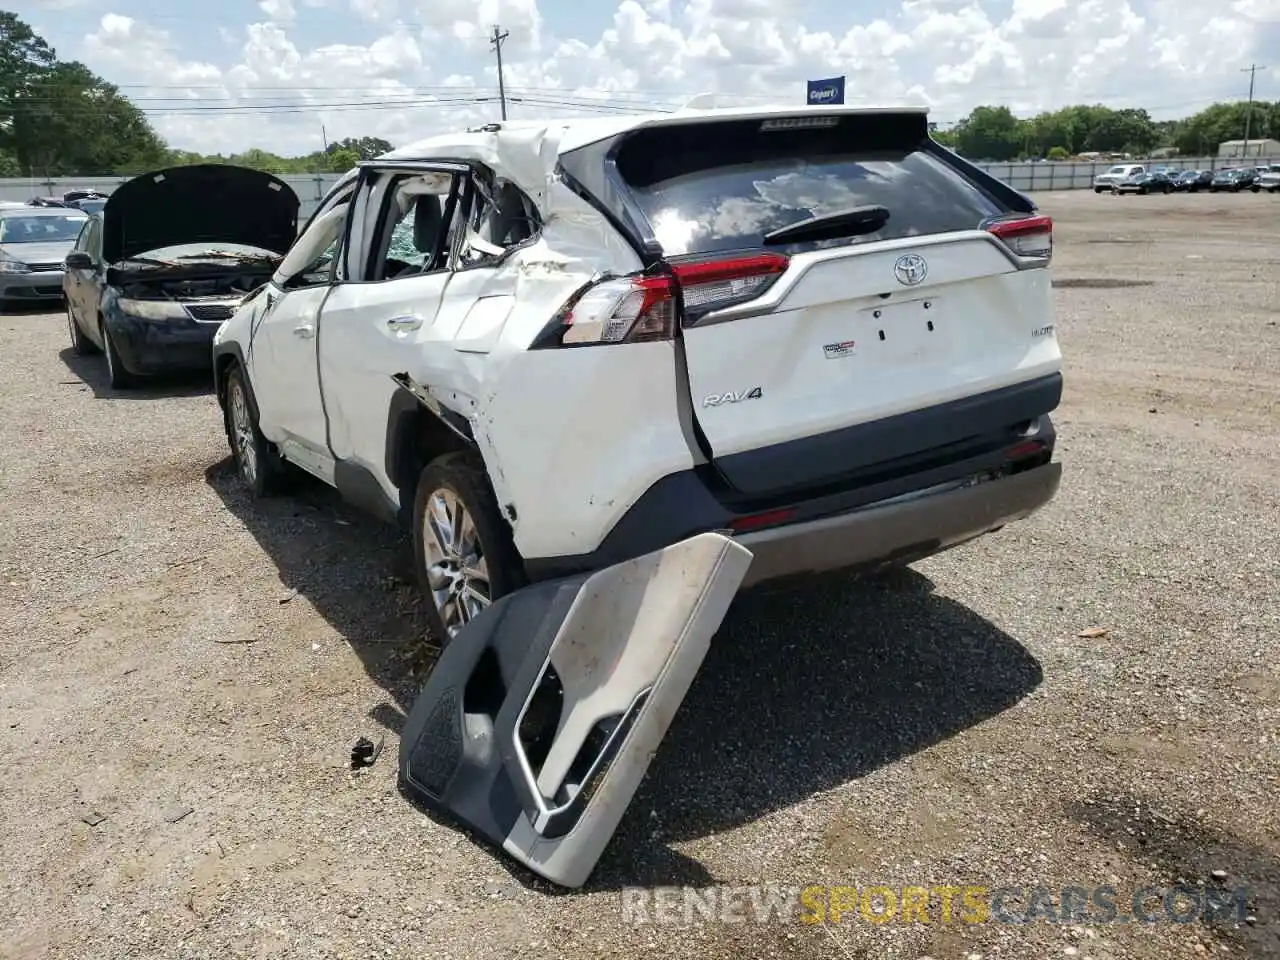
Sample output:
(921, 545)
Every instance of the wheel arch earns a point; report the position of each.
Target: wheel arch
(418, 434)
(226, 356)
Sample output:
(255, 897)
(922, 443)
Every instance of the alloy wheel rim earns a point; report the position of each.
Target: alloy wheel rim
(242, 434)
(457, 569)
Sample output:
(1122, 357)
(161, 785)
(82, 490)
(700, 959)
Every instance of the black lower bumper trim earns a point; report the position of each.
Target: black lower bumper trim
(899, 444)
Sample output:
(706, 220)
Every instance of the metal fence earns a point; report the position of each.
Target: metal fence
(311, 187)
(1050, 175)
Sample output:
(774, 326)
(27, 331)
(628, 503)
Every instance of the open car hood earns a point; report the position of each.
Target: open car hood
(217, 203)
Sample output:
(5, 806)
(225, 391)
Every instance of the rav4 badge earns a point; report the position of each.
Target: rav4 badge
(733, 396)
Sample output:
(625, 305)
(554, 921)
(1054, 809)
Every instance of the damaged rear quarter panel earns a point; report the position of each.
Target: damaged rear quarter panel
(572, 437)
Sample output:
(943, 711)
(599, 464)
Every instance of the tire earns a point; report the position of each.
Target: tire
(257, 462)
(119, 377)
(1255, 188)
(446, 485)
(80, 344)
(1098, 189)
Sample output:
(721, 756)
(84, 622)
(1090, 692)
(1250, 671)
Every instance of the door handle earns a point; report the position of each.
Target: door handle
(304, 330)
(404, 324)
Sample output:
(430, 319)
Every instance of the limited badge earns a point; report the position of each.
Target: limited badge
(834, 351)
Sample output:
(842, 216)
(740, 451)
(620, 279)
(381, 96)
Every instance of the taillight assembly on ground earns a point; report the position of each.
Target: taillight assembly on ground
(642, 308)
(1030, 237)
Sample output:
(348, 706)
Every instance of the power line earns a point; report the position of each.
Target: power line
(311, 107)
(496, 42)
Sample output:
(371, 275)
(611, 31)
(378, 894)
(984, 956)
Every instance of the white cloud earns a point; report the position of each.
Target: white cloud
(266, 86)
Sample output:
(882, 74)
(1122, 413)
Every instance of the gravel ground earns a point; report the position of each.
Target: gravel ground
(171, 647)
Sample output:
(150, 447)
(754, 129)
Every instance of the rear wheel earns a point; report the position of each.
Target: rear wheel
(81, 344)
(1098, 189)
(463, 547)
(120, 378)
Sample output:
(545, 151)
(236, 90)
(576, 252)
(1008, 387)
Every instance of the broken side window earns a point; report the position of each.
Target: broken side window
(418, 226)
(499, 219)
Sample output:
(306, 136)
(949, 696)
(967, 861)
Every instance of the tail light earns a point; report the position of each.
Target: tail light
(637, 309)
(1030, 237)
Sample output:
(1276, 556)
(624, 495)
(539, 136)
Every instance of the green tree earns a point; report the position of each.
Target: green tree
(1058, 153)
(340, 161)
(1120, 131)
(72, 121)
(365, 148)
(1201, 133)
(945, 137)
(25, 59)
(60, 118)
(990, 133)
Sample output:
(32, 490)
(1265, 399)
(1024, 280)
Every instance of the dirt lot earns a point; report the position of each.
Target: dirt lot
(168, 646)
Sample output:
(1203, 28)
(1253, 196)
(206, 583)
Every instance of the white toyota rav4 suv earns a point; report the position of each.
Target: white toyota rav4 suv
(554, 346)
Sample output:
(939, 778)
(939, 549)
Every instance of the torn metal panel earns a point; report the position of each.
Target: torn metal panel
(542, 715)
(450, 418)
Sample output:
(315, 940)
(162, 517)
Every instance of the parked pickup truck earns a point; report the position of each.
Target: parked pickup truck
(1121, 171)
(1269, 181)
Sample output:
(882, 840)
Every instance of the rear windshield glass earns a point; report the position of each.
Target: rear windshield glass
(706, 188)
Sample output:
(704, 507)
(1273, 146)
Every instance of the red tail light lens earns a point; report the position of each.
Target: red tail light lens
(1026, 448)
(1026, 236)
(758, 521)
(638, 309)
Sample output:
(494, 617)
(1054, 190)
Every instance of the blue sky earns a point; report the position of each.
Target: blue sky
(230, 75)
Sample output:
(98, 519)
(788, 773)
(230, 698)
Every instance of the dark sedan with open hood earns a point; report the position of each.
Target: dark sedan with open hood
(167, 259)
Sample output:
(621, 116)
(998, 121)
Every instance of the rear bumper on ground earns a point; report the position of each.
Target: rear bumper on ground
(902, 530)
(162, 346)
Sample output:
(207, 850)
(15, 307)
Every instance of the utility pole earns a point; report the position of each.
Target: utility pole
(1252, 69)
(495, 41)
(324, 138)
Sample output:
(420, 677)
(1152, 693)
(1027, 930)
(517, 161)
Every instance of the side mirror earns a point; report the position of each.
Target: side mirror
(79, 260)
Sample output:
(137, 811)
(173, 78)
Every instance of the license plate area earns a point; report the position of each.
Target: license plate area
(909, 330)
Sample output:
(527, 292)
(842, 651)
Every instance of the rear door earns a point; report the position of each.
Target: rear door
(909, 301)
(385, 317)
(542, 715)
